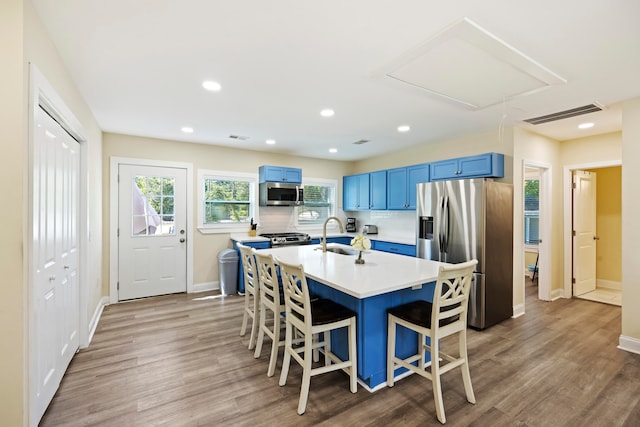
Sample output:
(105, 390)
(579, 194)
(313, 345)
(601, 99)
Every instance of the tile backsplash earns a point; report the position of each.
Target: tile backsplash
(276, 219)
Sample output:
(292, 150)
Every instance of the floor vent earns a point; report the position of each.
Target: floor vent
(361, 141)
(586, 109)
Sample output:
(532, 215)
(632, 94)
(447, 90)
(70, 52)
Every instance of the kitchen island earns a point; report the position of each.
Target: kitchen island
(385, 280)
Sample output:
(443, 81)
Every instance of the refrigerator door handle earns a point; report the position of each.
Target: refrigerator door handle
(445, 223)
(440, 226)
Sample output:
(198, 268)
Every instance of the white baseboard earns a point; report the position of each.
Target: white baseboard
(557, 294)
(632, 345)
(104, 301)
(609, 284)
(206, 286)
(518, 310)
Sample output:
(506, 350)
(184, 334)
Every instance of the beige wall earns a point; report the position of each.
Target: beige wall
(202, 156)
(24, 41)
(598, 148)
(609, 223)
(531, 147)
(12, 110)
(630, 223)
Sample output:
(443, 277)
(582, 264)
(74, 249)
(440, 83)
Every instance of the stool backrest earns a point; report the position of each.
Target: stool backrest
(249, 265)
(451, 297)
(296, 295)
(267, 273)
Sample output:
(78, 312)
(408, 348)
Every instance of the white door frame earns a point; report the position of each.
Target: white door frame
(42, 93)
(567, 185)
(544, 251)
(113, 218)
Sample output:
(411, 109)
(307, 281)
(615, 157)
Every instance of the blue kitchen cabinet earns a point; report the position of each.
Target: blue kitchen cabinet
(378, 190)
(364, 191)
(280, 174)
(490, 165)
(395, 248)
(401, 186)
(256, 245)
(355, 192)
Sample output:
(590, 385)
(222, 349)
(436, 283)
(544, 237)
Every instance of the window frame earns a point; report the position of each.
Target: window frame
(234, 227)
(334, 203)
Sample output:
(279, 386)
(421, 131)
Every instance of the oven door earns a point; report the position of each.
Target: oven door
(281, 194)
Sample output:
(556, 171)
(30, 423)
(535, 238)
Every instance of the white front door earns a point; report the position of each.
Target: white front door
(55, 315)
(152, 224)
(584, 227)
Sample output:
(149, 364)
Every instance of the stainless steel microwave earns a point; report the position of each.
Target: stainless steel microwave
(281, 194)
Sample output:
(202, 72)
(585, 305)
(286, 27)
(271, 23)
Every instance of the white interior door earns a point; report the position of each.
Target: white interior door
(152, 250)
(54, 323)
(584, 227)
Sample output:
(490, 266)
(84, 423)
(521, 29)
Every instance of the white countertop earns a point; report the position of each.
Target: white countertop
(382, 272)
(244, 237)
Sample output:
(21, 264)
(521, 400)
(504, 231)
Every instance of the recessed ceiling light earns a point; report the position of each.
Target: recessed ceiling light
(187, 129)
(270, 141)
(404, 128)
(585, 125)
(327, 112)
(333, 150)
(211, 85)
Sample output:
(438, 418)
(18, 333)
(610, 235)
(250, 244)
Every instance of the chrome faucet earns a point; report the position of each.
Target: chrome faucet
(324, 231)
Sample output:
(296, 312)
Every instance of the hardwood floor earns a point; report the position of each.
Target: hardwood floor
(178, 360)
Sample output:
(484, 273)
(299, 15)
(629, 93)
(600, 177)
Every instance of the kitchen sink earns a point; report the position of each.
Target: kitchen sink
(337, 250)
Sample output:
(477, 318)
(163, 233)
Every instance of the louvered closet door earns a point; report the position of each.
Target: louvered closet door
(54, 327)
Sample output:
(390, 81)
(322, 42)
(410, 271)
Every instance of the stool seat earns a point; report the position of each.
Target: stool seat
(419, 313)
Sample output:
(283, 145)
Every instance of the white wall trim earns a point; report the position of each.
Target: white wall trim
(568, 217)
(95, 319)
(518, 310)
(632, 345)
(609, 284)
(113, 217)
(205, 286)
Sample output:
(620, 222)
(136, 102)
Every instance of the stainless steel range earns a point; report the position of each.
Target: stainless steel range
(287, 239)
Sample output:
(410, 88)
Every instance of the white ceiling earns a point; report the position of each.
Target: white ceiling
(140, 65)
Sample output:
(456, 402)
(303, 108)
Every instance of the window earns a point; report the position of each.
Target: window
(226, 200)
(531, 211)
(319, 202)
(152, 206)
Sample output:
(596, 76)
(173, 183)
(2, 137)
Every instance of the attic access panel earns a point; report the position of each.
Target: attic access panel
(470, 66)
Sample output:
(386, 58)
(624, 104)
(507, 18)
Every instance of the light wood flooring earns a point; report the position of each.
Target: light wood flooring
(178, 360)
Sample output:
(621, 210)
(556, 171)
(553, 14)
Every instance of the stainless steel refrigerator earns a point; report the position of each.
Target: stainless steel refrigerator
(460, 220)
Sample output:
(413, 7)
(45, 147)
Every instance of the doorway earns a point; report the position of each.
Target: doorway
(151, 233)
(537, 231)
(597, 235)
(608, 245)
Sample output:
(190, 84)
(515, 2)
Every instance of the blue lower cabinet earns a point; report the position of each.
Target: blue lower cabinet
(371, 334)
(395, 248)
(256, 245)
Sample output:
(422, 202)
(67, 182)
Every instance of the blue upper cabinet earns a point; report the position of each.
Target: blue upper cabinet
(490, 165)
(401, 186)
(280, 174)
(378, 190)
(355, 192)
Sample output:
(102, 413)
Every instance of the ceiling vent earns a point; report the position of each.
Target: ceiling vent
(361, 141)
(585, 109)
(239, 137)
